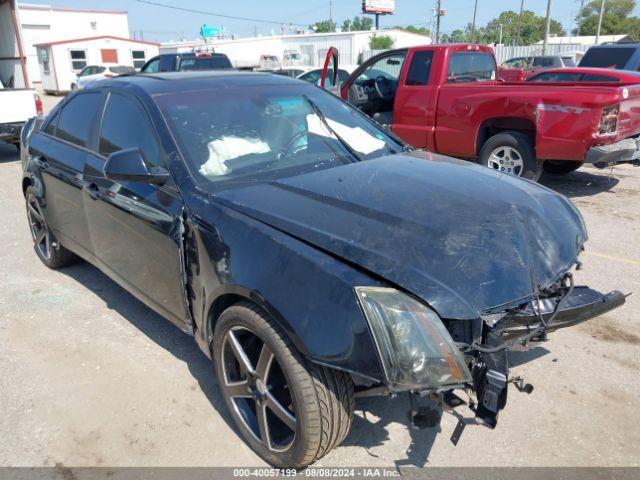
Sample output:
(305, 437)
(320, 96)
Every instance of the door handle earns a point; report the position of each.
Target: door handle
(93, 190)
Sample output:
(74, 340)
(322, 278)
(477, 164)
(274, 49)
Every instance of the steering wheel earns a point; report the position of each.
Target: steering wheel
(383, 87)
(287, 150)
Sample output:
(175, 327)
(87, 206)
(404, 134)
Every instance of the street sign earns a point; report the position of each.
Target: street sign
(378, 6)
(208, 31)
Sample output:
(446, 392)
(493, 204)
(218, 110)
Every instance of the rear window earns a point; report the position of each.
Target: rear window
(599, 78)
(122, 69)
(603, 57)
(204, 63)
(471, 67)
(556, 77)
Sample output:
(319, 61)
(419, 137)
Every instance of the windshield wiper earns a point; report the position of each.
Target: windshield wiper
(324, 121)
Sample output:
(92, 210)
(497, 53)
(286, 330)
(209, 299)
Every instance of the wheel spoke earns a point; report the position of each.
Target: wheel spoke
(263, 425)
(42, 235)
(281, 412)
(34, 213)
(238, 389)
(264, 362)
(238, 352)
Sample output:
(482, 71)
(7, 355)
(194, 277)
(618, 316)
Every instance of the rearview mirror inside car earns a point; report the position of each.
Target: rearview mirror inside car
(128, 165)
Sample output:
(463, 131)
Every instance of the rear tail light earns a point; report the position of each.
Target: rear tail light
(609, 120)
(38, 101)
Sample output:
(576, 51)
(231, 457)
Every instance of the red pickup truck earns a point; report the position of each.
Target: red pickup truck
(446, 99)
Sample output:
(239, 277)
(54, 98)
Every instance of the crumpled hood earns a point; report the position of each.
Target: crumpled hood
(461, 237)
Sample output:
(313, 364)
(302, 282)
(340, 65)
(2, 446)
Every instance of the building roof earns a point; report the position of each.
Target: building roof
(88, 39)
(219, 41)
(31, 6)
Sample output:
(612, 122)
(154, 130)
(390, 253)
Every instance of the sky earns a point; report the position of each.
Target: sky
(162, 24)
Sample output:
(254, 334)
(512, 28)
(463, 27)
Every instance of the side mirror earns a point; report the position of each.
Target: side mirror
(128, 166)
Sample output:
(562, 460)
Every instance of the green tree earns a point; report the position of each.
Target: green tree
(616, 19)
(521, 30)
(412, 29)
(381, 42)
(323, 26)
(357, 24)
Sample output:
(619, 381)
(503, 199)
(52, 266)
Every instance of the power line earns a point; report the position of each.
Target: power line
(213, 14)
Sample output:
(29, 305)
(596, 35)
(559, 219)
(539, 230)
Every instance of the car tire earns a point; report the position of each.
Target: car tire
(48, 249)
(319, 399)
(561, 167)
(512, 153)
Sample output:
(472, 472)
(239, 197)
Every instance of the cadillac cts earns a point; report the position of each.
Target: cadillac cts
(313, 256)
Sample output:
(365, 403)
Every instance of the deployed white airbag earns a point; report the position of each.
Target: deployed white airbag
(356, 137)
(228, 148)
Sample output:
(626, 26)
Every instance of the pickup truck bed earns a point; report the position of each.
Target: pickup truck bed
(446, 98)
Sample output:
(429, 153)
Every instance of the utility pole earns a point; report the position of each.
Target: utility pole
(600, 21)
(546, 28)
(500, 40)
(330, 13)
(438, 5)
(519, 22)
(580, 17)
(473, 25)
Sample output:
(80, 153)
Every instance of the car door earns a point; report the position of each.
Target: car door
(414, 109)
(60, 151)
(135, 227)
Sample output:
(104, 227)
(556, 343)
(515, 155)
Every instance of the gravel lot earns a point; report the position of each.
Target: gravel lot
(89, 376)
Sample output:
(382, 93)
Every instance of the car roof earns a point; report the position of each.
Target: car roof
(168, 82)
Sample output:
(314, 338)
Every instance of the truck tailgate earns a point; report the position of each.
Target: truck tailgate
(629, 118)
(16, 105)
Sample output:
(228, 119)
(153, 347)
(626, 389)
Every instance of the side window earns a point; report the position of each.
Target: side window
(126, 125)
(153, 66)
(51, 126)
(388, 67)
(419, 69)
(138, 57)
(78, 117)
(78, 59)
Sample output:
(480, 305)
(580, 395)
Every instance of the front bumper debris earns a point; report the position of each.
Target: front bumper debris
(515, 329)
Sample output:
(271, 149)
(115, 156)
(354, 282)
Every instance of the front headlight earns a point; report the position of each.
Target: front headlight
(415, 347)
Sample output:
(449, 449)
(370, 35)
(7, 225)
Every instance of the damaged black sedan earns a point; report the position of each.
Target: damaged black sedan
(313, 256)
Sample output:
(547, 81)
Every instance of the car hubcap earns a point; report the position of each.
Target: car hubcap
(39, 230)
(507, 160)
(258, 389)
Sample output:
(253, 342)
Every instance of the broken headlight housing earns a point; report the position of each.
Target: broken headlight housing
(416, 350)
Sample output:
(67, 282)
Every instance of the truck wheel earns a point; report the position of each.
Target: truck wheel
(290, 411)
(561, 167)
(511, 153)
(52, 254)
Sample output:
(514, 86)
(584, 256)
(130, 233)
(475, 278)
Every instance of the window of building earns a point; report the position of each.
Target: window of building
(78, 117)
(78, 59)
(126, 125)
(420, 67)
(139, 58)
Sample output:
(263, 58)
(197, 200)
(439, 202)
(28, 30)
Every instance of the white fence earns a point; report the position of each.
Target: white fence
(505, 53)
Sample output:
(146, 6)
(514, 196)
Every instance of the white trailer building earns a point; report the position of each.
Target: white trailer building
(60, 62)
(43, 24)
(304, 49)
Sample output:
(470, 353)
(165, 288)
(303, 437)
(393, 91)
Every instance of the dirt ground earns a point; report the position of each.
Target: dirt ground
(89, 376)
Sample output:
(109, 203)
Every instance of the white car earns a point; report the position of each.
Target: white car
(92, 73)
